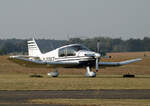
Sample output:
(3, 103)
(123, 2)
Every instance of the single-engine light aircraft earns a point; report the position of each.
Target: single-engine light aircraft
(69, 56)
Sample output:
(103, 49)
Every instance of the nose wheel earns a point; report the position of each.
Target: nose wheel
(89, 72)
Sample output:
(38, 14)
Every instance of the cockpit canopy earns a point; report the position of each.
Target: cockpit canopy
(71, 50)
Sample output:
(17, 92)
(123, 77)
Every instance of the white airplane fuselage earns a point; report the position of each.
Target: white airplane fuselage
(84, 56)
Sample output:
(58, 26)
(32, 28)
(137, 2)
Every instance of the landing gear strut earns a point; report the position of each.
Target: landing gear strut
(89, 73)
(55, 73)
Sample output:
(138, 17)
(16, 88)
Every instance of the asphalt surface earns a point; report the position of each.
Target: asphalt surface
(21, 98)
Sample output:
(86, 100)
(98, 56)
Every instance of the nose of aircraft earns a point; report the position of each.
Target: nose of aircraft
(89, 53)
(97, 55)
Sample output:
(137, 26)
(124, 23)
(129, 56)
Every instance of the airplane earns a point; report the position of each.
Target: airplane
(69, 56)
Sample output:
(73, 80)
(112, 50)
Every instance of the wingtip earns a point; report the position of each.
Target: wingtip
(139, 59)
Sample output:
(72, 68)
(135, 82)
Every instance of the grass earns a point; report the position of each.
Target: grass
(139, 68)
(74, 82)
(93, 102)
(16, 77)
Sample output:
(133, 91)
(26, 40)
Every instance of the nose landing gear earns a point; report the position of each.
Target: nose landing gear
(89, 73)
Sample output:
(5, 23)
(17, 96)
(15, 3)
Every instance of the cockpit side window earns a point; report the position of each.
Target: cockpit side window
(62, 52)
(68, 51)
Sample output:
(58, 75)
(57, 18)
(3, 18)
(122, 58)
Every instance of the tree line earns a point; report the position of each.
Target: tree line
(19, 46)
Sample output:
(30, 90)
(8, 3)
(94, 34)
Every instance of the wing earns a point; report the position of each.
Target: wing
(36, 62)
(119, 63)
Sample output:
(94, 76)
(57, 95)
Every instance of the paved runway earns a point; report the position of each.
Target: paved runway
(17, 97)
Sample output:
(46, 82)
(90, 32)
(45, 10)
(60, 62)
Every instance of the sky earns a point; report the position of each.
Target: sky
(64, 19)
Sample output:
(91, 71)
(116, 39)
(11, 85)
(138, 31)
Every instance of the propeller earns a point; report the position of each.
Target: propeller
(98, 46)
(97, 56)
(97, 66)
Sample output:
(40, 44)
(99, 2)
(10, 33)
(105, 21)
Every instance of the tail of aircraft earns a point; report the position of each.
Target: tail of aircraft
(33, 49)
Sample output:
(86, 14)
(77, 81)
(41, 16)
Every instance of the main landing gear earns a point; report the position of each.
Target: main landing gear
(55, 73)
(89, 72)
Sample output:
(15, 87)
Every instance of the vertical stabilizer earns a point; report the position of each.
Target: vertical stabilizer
(33, 49)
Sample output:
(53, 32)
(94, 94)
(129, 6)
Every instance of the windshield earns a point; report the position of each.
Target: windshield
(79, 47)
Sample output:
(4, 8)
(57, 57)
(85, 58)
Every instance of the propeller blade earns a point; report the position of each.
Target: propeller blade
(98, 46)
(97, 56)
(96, 64)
